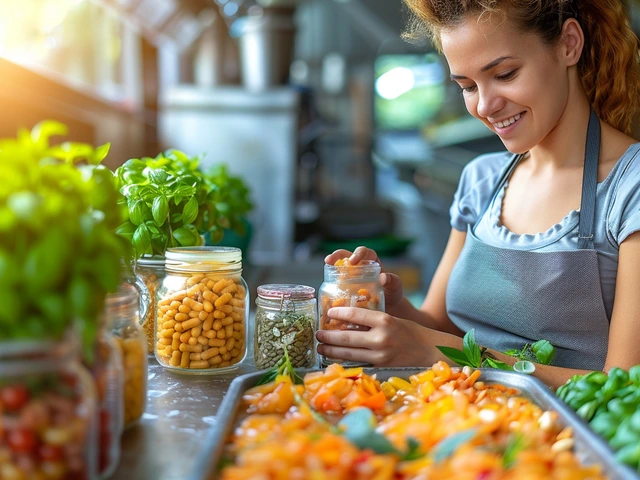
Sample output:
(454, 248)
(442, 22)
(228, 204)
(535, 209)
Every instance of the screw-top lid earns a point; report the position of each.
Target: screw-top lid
(286, 291)
(203, 258)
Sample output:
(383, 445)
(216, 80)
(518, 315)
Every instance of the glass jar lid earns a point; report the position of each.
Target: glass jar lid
(286, 291)
(203, 258)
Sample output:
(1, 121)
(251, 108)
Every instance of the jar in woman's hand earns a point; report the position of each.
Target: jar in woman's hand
(347, 285)
(202, 310)
(286, 317)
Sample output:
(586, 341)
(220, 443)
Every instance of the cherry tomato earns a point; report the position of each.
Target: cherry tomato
(14, 397)
(50, 453)
(22, 440)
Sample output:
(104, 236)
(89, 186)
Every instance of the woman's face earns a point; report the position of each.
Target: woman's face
(510, 81)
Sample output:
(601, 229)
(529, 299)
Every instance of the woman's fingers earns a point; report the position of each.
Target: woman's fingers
(360, 316)
(337, 255)
(363, 253)
(350, 354)
(392, 288)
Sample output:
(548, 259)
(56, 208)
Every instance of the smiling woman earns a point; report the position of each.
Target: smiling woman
(544, 240)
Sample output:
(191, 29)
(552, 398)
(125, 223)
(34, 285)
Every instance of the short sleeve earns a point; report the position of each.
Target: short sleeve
(477, 183)
(624, 215)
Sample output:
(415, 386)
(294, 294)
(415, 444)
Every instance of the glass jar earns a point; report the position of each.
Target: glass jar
(121, 309)
(349, 286)
(48, 412)
(106, 369)
(151, 272)
(286, 315)
(202, 310)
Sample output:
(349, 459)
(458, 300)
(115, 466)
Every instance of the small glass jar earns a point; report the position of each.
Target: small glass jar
(349, 286)
(48, 412)
(106, 369)
(286, 316)
(121, 310)
(151, 271)
(202, 310)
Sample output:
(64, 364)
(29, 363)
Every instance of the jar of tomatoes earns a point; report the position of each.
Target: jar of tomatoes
(47, 412)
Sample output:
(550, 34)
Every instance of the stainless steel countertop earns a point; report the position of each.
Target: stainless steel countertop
(180, 409)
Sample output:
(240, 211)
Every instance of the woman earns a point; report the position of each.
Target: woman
(545, 241)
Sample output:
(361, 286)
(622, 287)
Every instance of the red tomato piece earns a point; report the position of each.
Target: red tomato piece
(14, 397)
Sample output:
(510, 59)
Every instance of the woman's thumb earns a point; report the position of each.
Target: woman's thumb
(392, 288)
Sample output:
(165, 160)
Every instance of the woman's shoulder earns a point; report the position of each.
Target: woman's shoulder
(485, 169)
(477, 182)
(623, 210)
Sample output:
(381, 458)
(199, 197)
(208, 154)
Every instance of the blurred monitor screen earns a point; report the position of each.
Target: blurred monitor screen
(409, 90)
(413, 93)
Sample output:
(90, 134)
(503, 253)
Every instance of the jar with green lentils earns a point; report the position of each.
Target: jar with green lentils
(286, 317)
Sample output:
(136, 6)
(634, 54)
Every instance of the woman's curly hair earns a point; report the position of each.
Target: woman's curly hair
(609, 67)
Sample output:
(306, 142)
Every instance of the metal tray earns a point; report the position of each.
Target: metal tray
(589, 447)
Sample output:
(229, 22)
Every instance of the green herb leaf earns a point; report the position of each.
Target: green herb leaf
(187, 236)
(413, 450)
(543, 351)
(140, 213)
(447, 447)
(515, 445)
(359, 427)
(141, 240)
(190, 211)
(160, 209)
(493, 363)
(471, 348)
(457, 356)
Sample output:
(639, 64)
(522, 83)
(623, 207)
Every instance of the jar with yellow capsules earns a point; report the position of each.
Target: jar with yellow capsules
(202, 310)
(150, 270)
(121, 310)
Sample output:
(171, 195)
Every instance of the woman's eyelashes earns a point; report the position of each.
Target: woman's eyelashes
(505, 77)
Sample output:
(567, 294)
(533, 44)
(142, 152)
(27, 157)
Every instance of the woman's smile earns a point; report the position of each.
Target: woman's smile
(506, 126)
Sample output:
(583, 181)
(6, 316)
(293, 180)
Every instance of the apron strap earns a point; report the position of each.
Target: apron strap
(589, 184)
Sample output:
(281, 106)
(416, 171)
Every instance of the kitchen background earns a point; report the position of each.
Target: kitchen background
(345, 133)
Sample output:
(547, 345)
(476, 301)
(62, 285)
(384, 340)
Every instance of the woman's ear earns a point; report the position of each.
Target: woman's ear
(571, 42)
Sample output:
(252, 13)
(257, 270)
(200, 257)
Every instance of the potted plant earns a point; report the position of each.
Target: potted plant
(232, 199)
(171, 203)
(59, 256)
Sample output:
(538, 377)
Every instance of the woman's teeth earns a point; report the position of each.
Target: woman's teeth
(508, 121)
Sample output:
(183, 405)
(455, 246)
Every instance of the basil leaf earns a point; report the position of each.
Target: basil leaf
(139, 213)
(160, 209)
(187, 236)
(457, 356)
(491, 363)
(360, 429)
(471, 348)
(100, 153)
(141, 240)
(190, 211)
(515, 445)
(447, 447)
(544, 351)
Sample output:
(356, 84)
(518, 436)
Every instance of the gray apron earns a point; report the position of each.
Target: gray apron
(512, 297)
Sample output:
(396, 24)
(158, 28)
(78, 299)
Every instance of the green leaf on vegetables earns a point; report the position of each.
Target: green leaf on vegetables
(515, 445)
(447, 447)
(359, 427)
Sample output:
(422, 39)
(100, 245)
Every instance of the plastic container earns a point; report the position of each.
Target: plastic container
(151, 272)
(349, 286)
(122, 312)
(202, 311)
(108, 375)
(48, 412)
(286, 316)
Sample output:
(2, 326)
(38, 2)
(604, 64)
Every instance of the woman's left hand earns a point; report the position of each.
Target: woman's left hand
(390, 342)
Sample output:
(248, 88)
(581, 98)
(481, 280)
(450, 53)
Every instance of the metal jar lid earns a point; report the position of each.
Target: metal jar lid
(286, 292)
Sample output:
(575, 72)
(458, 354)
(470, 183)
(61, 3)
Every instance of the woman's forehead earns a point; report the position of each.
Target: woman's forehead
(475, 42)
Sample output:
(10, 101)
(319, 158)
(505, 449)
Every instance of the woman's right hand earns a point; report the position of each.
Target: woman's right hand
(390, 282)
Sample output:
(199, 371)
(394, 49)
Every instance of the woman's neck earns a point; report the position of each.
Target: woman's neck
(564, 146)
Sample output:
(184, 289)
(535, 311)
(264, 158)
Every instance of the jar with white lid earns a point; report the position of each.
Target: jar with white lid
(202, 310)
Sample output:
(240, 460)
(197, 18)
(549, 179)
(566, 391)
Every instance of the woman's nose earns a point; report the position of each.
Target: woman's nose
(488, 102)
